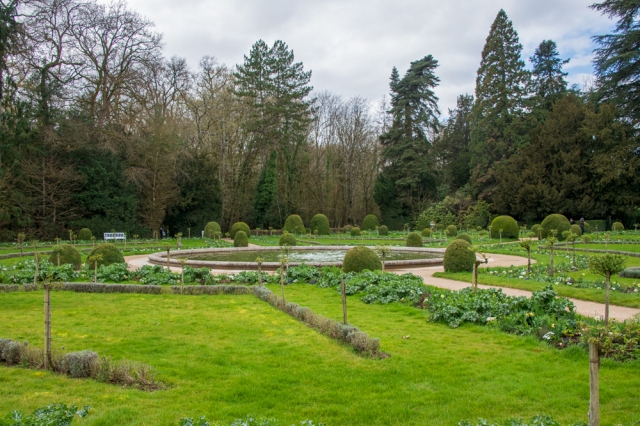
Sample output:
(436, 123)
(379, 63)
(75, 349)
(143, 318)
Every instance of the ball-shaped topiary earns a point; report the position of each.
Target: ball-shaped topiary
(555, 221)
(414, 240)
(464, 237)
(360, 258)
(383, 230)
(355, 232)
(370, 222)
(426, 232)
(508, 225)
(287, 239)
(576, 230)
(320, 223)
(451, 231)
(68, 254)
(536, 229)
(347, 229)
(458, 257)
(294, 225)
(85, 234)
(109, 252)
(241, 239)
(587, 227)
(617, 226)
(212, 229)
(239, 226)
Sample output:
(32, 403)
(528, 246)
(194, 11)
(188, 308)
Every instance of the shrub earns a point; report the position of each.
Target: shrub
(360, 258)
(426, 232)
(294, 224)
(383, 230)
(458, 257)
(320, 223)
(508, 225)
(576, 230)
(241, 239)
(631, 272)
(414, 240)
(239, 226)
(9, 351)
(587, 227)
(212, 229)
(451, 231)
(109, 252)
(600, 224)
(370, 222)
(536, 229)
(617, 226)
(68, 255)
(85, 234)
(347, 229)
(555, 221)
(79, 364)
(287, 239)
(464, 237)
(355, 231)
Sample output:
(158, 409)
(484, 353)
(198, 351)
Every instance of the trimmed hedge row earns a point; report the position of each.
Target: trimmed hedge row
(9, 288)
(111, 288)
(197, 290)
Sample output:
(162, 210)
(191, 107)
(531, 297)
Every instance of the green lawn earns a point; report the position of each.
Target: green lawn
(229, 356)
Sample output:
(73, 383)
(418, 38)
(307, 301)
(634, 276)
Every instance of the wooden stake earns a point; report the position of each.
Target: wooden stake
(594, 397)
(47, 328)
(344, 300)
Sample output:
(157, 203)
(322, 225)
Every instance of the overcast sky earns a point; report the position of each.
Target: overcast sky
(351, 45)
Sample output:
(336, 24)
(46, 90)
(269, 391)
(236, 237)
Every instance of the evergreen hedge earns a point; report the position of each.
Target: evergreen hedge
(451, 231)
(383, 230)
(109, 252)
(211, 229)
(241, 239)
(360, 258)
(601, 224)
(576, 230)
(85, 234)
(370, 223)
(68, 255)
(294, 225)
(426, 232)
(414, 240)
(320, 223)
(355, 231)
(555, 221)
(239, 226)
(458, 257)
(508, 225)
(287, 239)
(464, 237)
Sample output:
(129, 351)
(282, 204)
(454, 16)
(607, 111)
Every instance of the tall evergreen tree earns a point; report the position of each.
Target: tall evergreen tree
(548, 83)
(498, 126)
(266, 191)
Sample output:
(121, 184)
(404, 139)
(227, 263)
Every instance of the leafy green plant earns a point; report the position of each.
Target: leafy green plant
(52, 414)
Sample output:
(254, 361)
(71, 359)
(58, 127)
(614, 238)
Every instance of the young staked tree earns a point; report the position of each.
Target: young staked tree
(498, 128)
(607, 265)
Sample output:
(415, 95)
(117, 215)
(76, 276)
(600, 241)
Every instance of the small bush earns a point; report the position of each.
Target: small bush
(576, 230)
(320, 223)
(617, 226)
(464, 237)
(458, 257)
(287, 239)
(294, 225)
(68, 255)
(109, 252)
(631, 272)
(383, 230)
(212, 229)
(241, 240)
(536, 229)
(10, 351)
(508, 225)
(360, 258)
(414, 240)
(355, 232)
(239, 226)
(426, 232)
(80, 364)
(370, 223)
(555, 221)
(347, 229)
(85, 234)
(451, 231)
(587, 227)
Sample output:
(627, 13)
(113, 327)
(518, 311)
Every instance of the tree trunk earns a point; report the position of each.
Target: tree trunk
(474, 283)
(168, 260)
(35, 276)
(282, 286)
(260, 275)
(551, 263)
(606, 299)
(47, 328)
(182, 281)
(529, 260)
(95, 271)
(344, 300)
(594, 397)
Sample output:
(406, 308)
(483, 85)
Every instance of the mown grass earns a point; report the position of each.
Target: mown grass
(229, 356)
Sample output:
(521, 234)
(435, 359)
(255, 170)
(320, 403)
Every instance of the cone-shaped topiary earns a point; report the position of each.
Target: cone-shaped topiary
(370, 222)
(617, 226)
(508, 225)
(68, 255)
(109, 252)
(360, 258)
(458, 257)
(414, 240)
(451, 231)
(383, 230)
(85, 234)
(239, 226)
(426, 232)
(576, 230)
(320, 223)
(294, 224)
(555, 221)
(212, 229)
(287, 239)
(464, 237)
(355, 231)
(241, 239)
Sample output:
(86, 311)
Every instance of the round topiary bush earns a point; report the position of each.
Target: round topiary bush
(464, 237)
(370, 222)
(383, 230)
(109, 252)
(239, 226)
(458, 257)
(587, 227)
(617, 226)
(320, 223)
(287, 239)
(355, 231)
(85, 234)
(241, 239)
(426, 232)
(347, 229)
(68, 255)
(212, 229)
(508, 225)
(451, 231)
(294, 224)
(414, 240)
(360, 258)
(576, 230)
(555, 221)
(536, 229)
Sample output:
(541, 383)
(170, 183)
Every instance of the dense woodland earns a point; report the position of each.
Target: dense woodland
(100, 130)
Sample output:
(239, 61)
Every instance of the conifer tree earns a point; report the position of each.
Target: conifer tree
(548, 82)
(266, 191)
